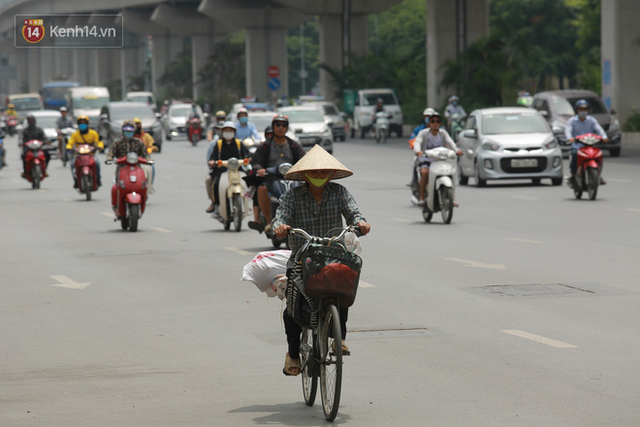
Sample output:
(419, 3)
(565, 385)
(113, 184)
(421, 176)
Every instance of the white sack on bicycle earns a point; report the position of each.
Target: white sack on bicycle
(264, 267)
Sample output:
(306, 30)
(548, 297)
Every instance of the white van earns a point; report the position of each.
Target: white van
(88, 101)
(365, 104)
(147, 97)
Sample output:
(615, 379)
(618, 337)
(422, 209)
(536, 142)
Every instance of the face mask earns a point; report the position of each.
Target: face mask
(583, 114)
(426, 121)
(318, 182)
(228, 135)
(128, 134)
(244, 120)
(83, 126)
(454, 103)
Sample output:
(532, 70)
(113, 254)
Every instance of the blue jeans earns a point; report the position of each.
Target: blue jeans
(573, 161)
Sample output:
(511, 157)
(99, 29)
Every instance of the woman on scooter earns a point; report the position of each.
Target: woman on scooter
(83, 135)
(429, 138)
(228, 146)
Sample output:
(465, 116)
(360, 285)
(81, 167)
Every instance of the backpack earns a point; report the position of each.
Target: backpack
(220, 147)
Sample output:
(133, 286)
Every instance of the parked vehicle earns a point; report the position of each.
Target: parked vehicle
(25, 103)
(174, 122)
(88, 101)
(113, 115)
(309, 126)
(232, 188)
(35, 161)
(508, 143)
(45, 120)
(129, 193)
(589, 166)
(557, 107)
(364, 107)
(194, 132)
(145, 97)
(86, 169)
(381, 126)
(54, 94)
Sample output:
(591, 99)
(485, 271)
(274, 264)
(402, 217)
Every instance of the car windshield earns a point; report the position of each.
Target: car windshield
(89, 102)
(495, 124)
(55, 93)
(387, 99)
(140, 98)
(123, 112)
(565, 106)
(45, 121)
(303, 116)
(181, 111)
(22, 104)
(261, 121)
(330, 110)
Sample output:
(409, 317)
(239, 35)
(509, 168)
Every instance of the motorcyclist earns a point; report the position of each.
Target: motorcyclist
(194, 111)
(11, 111)
(148, 140)
(453, 108)
(316, 207)
(425, 115)
(64, 121)
(226, 147)
(221, 117)
(83, 135)
(165, 106)
(244, 128)
(255, 224)
(30, 133)
(272, 153)
(427, 139)
(578, 125)
(208, 183)
(268, 132)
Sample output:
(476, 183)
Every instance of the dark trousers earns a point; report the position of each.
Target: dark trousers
(215, 175)
(294, 331)
(47, 157)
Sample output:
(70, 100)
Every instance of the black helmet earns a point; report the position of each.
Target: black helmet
(268, 129)
(31, 117)
(280, 118)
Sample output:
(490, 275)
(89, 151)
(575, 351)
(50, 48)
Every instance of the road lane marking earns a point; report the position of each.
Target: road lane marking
(618, 180)
(401, 220)
(109, 214)
(476, 264)
(66, 200)
(162, 230)
(66, 282)
(239, 251)
(16, 181)
(633, 210)
(515, 239)
(364, 284)
(525, 198)
(539, 339)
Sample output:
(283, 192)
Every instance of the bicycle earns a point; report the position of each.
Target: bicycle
(321, 344)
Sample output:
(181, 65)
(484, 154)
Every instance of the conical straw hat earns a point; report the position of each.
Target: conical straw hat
(317, 159)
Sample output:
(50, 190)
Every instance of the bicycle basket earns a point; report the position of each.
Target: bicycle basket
(331, 271)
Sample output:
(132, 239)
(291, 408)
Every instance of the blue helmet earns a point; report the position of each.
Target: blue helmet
(582, 103)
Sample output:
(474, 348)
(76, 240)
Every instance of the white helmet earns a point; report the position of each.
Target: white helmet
(229, 124)
(428, 111)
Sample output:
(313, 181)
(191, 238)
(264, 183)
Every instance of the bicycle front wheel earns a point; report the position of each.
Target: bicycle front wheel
(330, 342)
(308, 367)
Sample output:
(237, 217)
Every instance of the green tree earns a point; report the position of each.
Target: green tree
(588, 30)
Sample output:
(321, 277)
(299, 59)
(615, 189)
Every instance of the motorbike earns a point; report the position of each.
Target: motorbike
(441, 185)
(456, 125)
(86, 169)
(381, 126)
(36, 164)
(195, 130)
(129, 193)
(279, 172)
(12, 122)
(1, 150)
(66, 134)
(589, 166)
(233, 205)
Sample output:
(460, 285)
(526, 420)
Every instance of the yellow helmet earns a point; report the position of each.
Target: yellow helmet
(82, 117)
(221, 113)
(10, 106)
(137, 120)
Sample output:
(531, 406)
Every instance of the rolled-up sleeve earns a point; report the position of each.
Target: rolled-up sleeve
(285, 211)
(349, 208)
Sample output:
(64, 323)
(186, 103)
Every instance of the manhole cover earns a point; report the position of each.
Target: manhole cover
(534, 290)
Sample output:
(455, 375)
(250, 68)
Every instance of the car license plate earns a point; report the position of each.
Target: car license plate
(524, 163)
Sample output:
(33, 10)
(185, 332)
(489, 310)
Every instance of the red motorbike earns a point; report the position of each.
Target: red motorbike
(195, 130)
(589, 166)
(129, 194)
(86, 169)
(12, 122)
(35, 163)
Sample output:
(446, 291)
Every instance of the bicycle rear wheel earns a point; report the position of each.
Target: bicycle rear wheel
(330, 362)
(308, 367)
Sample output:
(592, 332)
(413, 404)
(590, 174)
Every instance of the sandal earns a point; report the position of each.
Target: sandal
(290, 365)
(345, 348)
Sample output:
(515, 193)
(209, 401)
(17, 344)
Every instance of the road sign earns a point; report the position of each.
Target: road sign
(274, 83)
(273, 71)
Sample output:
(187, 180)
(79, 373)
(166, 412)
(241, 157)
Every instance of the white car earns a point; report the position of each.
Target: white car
(365, 104)
(309, 126)
(146, 97)
(508, 143)
(174, 120)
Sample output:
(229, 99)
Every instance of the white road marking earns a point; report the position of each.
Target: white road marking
(162, 230)
(364, 284)
(16, 181)
(401, 220)
(633, 210)
(515, 239)
(66, 282)
(539, 339)
(109, 214)
(66, 200)
(239, 251)
(476, 264)
(618, 180)
(525, 198)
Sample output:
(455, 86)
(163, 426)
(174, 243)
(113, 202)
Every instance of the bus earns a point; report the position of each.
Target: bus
(54, 94)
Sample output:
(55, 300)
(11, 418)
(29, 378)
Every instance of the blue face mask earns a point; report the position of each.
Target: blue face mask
(128, 134)
(244, 120)
(83, 126)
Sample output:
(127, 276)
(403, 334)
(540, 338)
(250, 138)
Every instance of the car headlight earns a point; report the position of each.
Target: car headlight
(551, 144)
(490, 146)
(615, 126)
(326, 131)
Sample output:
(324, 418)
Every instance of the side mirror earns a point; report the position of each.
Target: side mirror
(544, 113)
(158, 115)
(612, 111)
(470, 133)
(19, 128)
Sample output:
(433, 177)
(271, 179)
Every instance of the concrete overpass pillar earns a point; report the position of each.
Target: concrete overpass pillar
(132, 59)
(450, 28)
(620, 59)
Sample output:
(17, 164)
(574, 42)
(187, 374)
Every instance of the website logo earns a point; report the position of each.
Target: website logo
(33, 30)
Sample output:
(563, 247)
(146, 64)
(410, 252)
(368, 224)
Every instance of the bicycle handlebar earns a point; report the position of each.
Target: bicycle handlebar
(322, 240)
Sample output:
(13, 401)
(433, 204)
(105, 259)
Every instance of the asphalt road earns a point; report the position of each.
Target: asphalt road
(522, 312)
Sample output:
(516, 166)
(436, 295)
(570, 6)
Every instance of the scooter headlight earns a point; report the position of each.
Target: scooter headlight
(132, 158)
(233, 164)
(84, 150)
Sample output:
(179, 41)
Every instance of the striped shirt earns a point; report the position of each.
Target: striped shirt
(299, 209)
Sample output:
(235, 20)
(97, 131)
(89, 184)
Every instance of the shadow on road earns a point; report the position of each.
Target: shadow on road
(291, 414)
